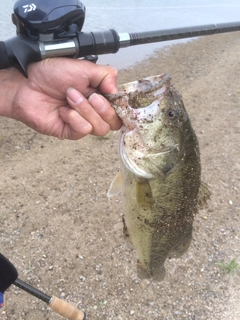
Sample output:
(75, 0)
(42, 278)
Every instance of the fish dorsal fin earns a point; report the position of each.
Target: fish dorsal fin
(204, 195)
(116, 186)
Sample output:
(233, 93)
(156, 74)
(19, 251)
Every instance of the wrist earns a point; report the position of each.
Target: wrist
(10, 82)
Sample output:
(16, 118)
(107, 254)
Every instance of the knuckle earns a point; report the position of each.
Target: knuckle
(102, 130)
(113, 71)
(85, 128)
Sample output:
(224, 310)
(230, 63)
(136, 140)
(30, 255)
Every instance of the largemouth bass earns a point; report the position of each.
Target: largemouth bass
(160, 172)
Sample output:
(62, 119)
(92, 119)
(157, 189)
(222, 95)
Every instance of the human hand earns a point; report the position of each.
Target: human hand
(61, 98)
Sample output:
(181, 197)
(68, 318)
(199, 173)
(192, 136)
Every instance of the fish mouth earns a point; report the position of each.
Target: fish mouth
(138, 102)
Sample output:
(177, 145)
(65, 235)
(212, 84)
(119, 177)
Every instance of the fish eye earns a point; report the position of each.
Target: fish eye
(172, 114)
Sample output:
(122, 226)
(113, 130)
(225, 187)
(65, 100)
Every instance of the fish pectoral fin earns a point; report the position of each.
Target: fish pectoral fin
(116, 186)
(204, 195)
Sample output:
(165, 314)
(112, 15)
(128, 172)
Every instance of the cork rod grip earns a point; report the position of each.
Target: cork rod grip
(66, 310)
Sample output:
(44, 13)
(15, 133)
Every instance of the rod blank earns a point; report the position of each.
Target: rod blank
(176, 33)
(33, 291)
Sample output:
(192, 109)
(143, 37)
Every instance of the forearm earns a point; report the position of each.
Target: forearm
(10, 82)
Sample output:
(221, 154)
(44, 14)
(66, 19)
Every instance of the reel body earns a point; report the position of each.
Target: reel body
(48, 20)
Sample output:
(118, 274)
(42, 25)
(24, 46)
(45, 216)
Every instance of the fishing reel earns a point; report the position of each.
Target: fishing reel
(48, 20)
(47, 29)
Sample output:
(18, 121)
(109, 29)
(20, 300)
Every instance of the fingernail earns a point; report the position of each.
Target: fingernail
(97, 102)
(74, 95)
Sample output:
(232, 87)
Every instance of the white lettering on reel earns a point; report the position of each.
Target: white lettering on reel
(29, 7)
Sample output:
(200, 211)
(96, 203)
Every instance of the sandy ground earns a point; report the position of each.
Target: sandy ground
(64, 236)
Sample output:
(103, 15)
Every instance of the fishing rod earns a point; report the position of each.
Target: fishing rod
(47, 29)
(9, 276)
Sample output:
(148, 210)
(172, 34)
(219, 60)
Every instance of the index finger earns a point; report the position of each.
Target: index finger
(104, 78)
(105, 110)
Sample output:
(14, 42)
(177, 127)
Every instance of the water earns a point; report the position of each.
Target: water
(140, 15)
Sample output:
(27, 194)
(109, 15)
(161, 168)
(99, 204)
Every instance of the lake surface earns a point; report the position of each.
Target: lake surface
(137, 16)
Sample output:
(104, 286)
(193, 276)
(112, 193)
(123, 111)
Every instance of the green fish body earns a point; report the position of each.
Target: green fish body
(160, 176)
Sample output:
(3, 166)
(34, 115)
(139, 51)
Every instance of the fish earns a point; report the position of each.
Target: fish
(160, 172)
